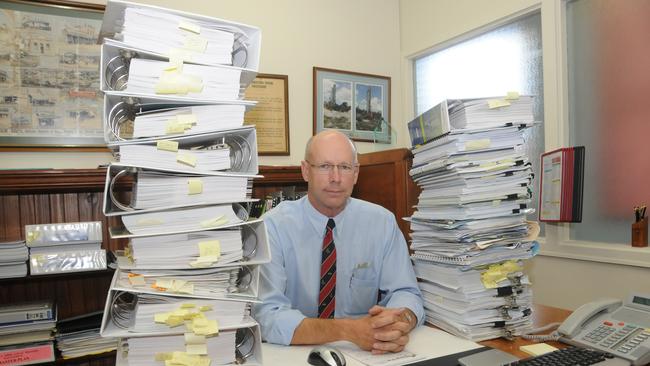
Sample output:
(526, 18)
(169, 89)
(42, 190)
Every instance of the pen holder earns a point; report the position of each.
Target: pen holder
(640, 233)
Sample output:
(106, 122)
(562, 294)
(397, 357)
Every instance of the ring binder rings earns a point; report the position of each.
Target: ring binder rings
(121, 16)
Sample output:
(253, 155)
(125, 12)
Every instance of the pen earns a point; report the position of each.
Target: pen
(636, 214)
(642, 212)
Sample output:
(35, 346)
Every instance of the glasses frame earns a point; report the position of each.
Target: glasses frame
(328, 168)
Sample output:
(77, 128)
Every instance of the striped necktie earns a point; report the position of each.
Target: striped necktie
(326, 300)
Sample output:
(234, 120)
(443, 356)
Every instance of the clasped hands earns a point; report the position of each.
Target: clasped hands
(384, 329)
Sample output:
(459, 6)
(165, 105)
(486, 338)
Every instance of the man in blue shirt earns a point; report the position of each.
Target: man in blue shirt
(377, 301)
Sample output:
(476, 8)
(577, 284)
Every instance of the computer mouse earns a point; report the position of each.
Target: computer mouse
(326, 356)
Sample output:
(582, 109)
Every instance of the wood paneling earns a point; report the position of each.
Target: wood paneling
(51, 196)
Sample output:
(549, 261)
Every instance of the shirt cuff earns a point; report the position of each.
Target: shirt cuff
(282, 327)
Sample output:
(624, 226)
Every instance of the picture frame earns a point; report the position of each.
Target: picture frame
(49, 76)
(354, 103)
(271, 114)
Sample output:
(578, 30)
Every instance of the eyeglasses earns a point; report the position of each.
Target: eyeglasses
(326, 168)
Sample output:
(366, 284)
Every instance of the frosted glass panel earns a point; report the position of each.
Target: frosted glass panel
(508, 58)
(609, 113)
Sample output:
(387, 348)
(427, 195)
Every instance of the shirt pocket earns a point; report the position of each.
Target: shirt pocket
(363, 289)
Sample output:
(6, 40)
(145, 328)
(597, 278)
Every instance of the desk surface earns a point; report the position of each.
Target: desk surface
(542, 315)
(423, 338)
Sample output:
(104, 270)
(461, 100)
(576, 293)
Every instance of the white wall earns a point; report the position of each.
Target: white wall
(425, 24)
(360, 35)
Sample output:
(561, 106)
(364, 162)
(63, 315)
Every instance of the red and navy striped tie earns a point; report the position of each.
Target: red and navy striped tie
(326, 300)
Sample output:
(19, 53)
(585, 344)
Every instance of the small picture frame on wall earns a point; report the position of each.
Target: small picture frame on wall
(353, 103)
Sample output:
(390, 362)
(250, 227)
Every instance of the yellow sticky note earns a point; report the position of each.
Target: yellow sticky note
(194, 186)
(197, 349)
(177, 55)
(167, 145)
(195, 43)
(205, 326)
(200, 264)
(191, 338)
(498, 272)
(32, 236)
(174, 321)
(477, 144)
(186, 119)
(537, 349)
(497, 103)
(512, 95)
(175, 64)
(186, 158)
(193, 83)
(136, 279)
(217, 221)
(149, 222)
(187, 305)
(163, 356)
(209, 248)
(205, 308)
(174, 128)
(190, 27)
(164, 283)
(160, 317)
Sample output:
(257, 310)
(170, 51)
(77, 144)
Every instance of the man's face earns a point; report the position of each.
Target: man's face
(330, 179)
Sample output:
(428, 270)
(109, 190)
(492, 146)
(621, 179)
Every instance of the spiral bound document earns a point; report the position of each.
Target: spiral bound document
(192, 37)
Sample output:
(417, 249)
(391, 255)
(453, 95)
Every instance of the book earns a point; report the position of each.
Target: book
(27, 354)
(562, 184)
(26, 312)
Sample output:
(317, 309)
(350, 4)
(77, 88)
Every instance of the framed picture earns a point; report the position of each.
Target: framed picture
(354, 103)
(49, 75)
(271, 114)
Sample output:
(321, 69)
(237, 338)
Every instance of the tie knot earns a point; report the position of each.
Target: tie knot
(331, 224)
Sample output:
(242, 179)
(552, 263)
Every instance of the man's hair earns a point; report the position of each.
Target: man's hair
(352, 146)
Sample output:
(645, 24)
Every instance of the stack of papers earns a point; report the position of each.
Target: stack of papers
(200, 119)
(13, 259)
(65, 247)
(165, 33)
(184, 285)
(150, 77)
(79, 336)
(469, 233)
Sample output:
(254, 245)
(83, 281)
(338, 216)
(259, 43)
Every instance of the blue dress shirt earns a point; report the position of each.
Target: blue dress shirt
(372, 263)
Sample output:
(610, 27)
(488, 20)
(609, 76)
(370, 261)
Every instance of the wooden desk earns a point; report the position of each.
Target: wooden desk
(542, 315)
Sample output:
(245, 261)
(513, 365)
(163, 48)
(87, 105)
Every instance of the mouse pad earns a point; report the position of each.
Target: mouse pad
(449, 360)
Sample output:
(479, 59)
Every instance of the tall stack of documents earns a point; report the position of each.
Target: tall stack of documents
(26, 332)
(173, 86)
(469, 233)
(13, 259)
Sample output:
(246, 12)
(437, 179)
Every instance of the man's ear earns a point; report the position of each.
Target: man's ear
(304, 166)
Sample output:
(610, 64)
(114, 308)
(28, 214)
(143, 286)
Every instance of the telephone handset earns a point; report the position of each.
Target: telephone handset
(581, 316)
(621, 328)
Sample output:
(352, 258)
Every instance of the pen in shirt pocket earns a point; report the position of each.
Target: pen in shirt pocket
(357, 268)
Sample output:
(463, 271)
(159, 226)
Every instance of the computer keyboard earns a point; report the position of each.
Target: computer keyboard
(571, 356)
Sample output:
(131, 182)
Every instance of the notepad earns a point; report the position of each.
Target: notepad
(537, 349)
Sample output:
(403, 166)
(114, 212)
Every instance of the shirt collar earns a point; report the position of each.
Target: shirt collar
(317, 220)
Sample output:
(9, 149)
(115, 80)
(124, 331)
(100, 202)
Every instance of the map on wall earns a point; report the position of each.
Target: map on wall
(49, 76)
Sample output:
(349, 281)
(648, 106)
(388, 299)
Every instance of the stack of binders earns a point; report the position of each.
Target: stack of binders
(26, 332)
(65, 247)
(469, 233)
(13, 259)
(173, 86)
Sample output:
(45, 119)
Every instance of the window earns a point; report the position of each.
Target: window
(507, 58)
(608, 87)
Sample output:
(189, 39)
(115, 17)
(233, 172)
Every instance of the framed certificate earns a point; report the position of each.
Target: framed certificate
(271, 114)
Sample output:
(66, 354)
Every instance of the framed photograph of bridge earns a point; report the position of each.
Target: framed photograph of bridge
(354, 103)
